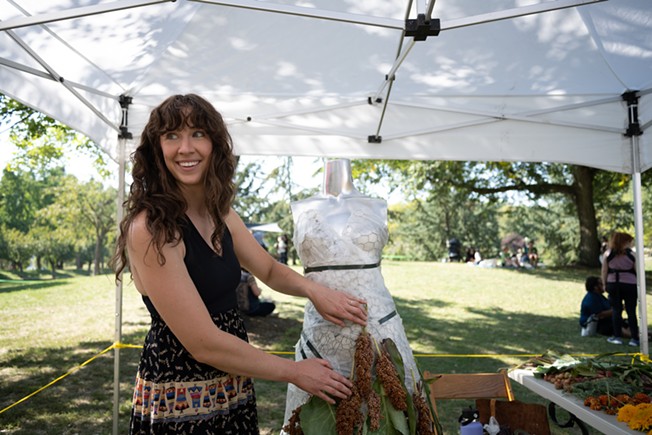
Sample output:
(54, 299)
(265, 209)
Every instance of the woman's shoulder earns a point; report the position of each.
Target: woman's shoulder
(138, 232)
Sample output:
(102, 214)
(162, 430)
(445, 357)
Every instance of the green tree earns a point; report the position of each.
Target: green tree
(87, 213)
(18, 248)
(23, 194)
(52, 243)
(420, 229)
(266, 197)
(37, 198)
(251, 201)
(42, 141)
(583, 186)
(97, 206)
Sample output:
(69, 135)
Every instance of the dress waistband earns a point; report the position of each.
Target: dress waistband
(340, 267)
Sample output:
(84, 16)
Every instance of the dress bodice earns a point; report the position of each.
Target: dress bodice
(340, 231)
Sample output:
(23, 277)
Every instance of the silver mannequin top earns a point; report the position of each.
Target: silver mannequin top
(338, 180)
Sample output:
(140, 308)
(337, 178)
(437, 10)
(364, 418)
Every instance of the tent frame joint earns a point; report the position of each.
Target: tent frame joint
(634, 127)
(422, 27)
(374, 138)
(125, 101)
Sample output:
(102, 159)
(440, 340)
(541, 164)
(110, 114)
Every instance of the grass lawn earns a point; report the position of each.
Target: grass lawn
(458, 318)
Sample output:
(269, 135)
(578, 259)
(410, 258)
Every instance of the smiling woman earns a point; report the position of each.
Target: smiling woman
(185, 246)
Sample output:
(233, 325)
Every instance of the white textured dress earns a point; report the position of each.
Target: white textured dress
(339, 241)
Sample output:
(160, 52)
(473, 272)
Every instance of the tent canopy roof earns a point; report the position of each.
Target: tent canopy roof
(503, 80)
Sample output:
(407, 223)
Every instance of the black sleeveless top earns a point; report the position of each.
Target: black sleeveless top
(215, 277)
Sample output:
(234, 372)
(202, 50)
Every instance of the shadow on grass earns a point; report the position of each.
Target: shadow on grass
(46, 275)
(273, 332)
(572, 274)
(80, 402)
(505, 334)
(14, 286)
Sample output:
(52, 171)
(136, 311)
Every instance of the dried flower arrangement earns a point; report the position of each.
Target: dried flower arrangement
(380, 402)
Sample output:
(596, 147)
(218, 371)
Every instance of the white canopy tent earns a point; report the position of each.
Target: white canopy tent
(540, 87)
(512, 80)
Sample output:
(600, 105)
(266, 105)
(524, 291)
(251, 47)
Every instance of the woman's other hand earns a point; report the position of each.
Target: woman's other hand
(316, 377)
(336, 306)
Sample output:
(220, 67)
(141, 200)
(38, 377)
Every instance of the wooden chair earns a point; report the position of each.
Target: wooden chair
(485, 388)
(469, 386)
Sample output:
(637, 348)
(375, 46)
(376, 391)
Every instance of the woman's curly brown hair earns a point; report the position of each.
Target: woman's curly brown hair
(157, 192)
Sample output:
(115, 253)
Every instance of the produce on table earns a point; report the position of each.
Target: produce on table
(604, 383)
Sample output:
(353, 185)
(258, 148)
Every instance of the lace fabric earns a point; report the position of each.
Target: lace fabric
(337, 232)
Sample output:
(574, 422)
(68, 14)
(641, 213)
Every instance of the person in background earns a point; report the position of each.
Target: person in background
(604, 244)
(595, 310)
(260, 238)
(184, 246)
(532, 254)
(470, 255)
(249, 301)
(477, 258)
(282, 248)
(619, 274)
(506, 258)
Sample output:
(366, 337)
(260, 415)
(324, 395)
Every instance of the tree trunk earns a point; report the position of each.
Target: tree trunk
(589, 248)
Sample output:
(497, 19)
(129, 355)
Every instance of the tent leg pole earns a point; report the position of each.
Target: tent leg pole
(116, 389)
(640, 263)
(116, 357)
(122, 145)
(640, 253)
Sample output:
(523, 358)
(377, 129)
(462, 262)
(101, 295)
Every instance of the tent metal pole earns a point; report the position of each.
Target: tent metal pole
(50, 17)
(514, 13)
(389, 77)
(389, 23)
(125, 134)
(640, 256)
(44, 75)
(122, 146)
(633, 132)
(59, 78)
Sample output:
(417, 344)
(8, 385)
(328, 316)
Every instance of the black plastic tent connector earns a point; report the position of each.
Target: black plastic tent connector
(421, 29)
(634, 127)
(374, 139)
(125, 102)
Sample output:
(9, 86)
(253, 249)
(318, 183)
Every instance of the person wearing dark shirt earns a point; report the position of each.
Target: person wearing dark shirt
(249, 301)
(595, 311)
(184, 246)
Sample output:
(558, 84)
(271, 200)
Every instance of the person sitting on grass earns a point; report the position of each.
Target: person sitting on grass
(249, 301)
(595, 311)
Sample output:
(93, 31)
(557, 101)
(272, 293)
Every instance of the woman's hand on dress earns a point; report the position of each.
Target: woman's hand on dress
(336, 306)
(316, 377)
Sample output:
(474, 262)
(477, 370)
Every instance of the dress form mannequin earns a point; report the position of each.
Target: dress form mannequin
(339, 236)
(338, 180)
